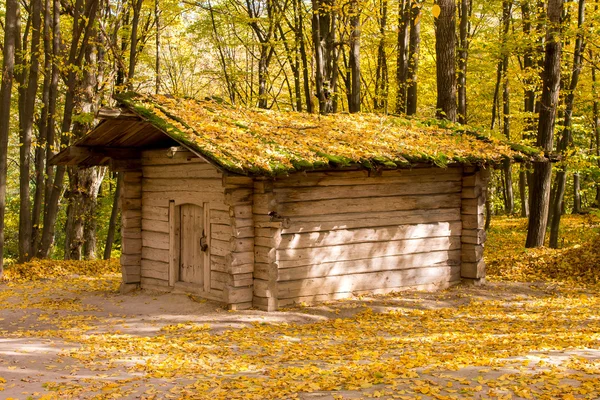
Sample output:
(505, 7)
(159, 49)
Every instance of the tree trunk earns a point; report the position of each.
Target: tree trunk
(8, 67)
(596, 116)
(381, 72)
(79, 43)
(26, 121)
(464, 12)
(157, 39)
(112, 225)
(523, 192)
(324, 27)
(43, 128)
(576, 194)
(445, 49)
(542, 170)
(566, 140)
(509, 205)
(354, 103)
(402, 56)
(414, 46)
(304, 58)
(137, 7)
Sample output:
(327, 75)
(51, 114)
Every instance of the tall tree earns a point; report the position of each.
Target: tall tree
(326, 53)
(381, 74)
(402, 55)
(567, 135)
(354, 96)
(509, 202)
(8, 68)
(542, 169)
(27, 97)
(84, 18)
(445, 50)
(464, 13)
(414, 46)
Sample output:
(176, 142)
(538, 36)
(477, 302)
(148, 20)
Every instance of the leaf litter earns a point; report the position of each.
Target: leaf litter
(532, 332)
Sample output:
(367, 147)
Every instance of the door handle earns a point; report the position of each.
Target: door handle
(203, 242)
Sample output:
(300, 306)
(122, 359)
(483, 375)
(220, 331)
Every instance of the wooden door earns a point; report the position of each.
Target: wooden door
(191, 264)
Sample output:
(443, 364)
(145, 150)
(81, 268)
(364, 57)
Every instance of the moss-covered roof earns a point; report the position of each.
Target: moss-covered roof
(265, 142)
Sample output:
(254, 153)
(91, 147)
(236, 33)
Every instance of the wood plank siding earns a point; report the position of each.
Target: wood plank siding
(332, 234)
(176, 179)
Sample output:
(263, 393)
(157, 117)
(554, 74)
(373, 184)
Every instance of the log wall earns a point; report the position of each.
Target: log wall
(474, 191)
(338, 233)
(131, 225)
(171, 179)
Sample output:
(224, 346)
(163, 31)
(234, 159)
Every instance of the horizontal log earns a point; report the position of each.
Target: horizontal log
(264, 254)
(221, 232)
(473, 221)
(219, 247)
(155, 240)
(155, 254)
(156, 213)
(472, 252)
(220, 216)
(132, 191)
(218, 263)
(196, 171)
(181, 185)
(154, 269)
(299, 257)
(131, 204)
(233, 295)
(152, 225)
(379, 234)
(154, 284)
(242, 223)
(367, 281)
(132, 177)
(241, 211)
(131, 259)
(131, 233)
(473, 236)
(334, 222)
(473, 270)
(238, 259)
(131, 246)
(311, 299)
(194, 288)
(238, 196)
(356, 191)
(237, 180)
(473, 206)
(342, 178)
(264, 203)
(361, 205)
(429, 259)
(216, 200)
(472, 192)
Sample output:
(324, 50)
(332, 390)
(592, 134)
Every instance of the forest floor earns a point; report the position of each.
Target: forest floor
(533, 331)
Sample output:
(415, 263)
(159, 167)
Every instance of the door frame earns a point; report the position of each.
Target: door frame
(175, 242)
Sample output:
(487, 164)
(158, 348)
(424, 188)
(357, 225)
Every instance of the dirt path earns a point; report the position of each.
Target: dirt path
(78, 338)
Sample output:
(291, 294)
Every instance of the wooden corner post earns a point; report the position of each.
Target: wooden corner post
(240, 261)
(131, 229)
(474, 191)
(267, 230)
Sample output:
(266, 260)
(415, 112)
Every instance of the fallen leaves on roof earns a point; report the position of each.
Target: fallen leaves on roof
(266, 142)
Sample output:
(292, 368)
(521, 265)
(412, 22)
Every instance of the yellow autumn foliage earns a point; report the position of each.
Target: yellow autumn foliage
(37, 269)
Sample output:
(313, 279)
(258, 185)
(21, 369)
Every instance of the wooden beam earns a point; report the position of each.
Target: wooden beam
(116, 113)
(88, 156)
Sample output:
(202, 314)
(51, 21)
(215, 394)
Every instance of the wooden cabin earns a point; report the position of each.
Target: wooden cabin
(256, 208)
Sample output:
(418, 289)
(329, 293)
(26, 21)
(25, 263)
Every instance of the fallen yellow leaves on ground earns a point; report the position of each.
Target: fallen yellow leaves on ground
(505, 340)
